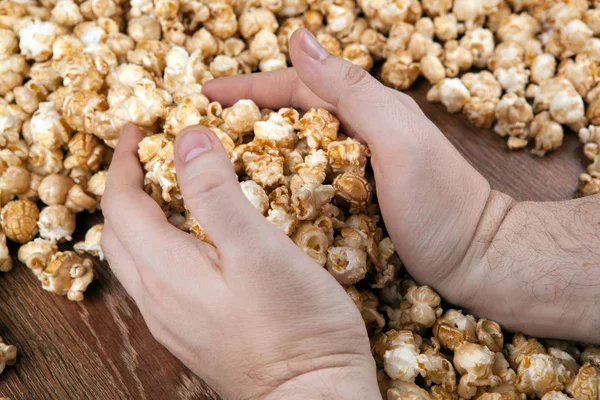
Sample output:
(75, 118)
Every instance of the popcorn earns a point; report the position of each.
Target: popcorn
(432, 68)
(521, 347)
(222, 22)
(79, 72)
(474, 363)
(280, 212)
(591, 18)
(375, 42)
(91, 245)
(541, 373)
(446, 27)
(5, 259)
(419, 46)
(339, 19)
(513, 79)
(85, 151)
(145, 27)
(181, 116)
(14, 180)
(482, 85)
(37, 254)
(244, 116)
(13, 69)
(513, 114)
(43, 160)
(480, 42)
(78, 200)
(548, 134)
(591, 355)
(54, 188)
(318, 128)
(574, 37)
(518, 28)
(354, 190)
(36, 38)
(468, 11)
(481, 111)
(543, 67)
(311, 238)
(224, 66)
(68, 274)
(309, 199)
(254, 19)
(8, 355)
(358, 54)
(348, 155)
(554, 395)
(56, 223)
(425, 305)
(399, 351)
(143, 107)
(435, 368)
(583, 73)
(9, 42)
(451, 92)
(398, 38)
(436, 7)
(566, 107)
(256, 195)
(263, 163)
(399, 71)
(456, 58)
(454, 328)
(48, 128)
(405, 391)
(19, 220)
(490, 334)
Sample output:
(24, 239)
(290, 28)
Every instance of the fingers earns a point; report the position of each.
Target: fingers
(136, 219)
(212, 192)
(138, 225)
(360, 100)
(276, 89)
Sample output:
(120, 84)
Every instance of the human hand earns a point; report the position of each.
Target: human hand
(430, 197)
(533, 267)
(255, 317)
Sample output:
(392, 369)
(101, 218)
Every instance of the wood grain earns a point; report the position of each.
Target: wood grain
(101, 348)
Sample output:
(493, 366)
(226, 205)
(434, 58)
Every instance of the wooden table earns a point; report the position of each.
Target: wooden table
(101, 349)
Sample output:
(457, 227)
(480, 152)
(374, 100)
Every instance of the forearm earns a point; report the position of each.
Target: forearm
(535, 267)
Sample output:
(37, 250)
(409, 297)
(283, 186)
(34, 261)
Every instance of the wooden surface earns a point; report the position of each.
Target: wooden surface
(101, 349)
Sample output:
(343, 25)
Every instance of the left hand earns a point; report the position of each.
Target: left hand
(255, 317)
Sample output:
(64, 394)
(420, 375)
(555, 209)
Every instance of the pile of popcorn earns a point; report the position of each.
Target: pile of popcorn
(75, 71)
(312, 183)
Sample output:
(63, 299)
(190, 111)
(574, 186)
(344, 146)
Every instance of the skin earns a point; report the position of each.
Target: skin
(257, 318)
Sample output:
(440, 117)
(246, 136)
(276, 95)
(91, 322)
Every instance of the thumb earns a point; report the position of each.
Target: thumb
(358, 97)
(211, 190)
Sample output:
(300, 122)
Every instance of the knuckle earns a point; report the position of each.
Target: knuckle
(209, 183)
(353, 75)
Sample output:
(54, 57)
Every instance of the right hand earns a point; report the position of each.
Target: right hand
(431, 198)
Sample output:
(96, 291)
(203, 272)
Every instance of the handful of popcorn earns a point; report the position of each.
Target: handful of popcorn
(299, 172)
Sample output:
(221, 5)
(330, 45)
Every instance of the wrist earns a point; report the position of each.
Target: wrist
(346, 382)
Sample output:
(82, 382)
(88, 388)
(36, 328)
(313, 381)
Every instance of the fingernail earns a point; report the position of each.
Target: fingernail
(312, 47)
(192, 144)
